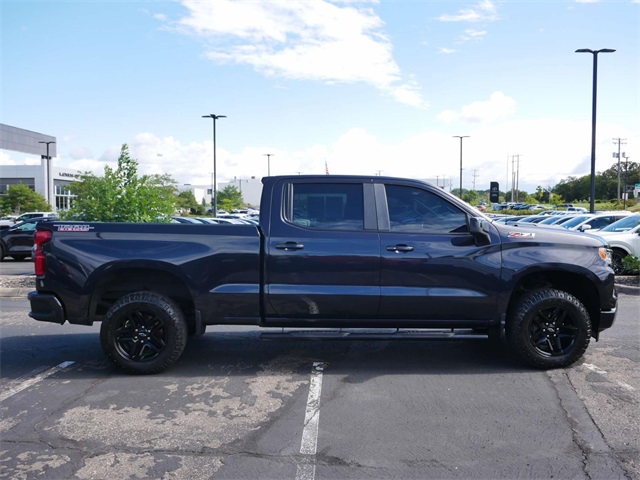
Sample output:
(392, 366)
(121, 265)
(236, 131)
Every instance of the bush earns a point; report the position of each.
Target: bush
(631, 264)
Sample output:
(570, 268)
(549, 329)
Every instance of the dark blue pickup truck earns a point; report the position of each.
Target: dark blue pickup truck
(352, 252)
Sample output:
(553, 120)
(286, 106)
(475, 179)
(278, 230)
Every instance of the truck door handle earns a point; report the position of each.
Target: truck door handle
(399, 248)
(290, 246)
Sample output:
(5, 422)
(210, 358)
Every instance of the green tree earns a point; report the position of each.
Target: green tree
(122, 196)
(186, 200)
(20, 199)
(230, 198)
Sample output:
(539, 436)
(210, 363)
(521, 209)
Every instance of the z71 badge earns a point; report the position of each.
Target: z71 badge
(521, 235)
(73, 228)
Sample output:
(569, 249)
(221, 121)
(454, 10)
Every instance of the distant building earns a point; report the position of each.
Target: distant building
(49, 181)
(53, 182)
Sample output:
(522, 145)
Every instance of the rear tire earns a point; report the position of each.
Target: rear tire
(549, 328)
(144, 333)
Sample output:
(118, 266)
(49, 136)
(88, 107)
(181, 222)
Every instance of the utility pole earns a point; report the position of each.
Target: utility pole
(513, 177)
(461, 137)
(475, 175)
(619, 141)
(268, 155)
(518, 179)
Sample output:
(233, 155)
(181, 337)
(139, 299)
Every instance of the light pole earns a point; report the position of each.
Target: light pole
(268, 155)
(593, 119)
(48, 173)
(626, 170)
(215, 186)
(461, 137)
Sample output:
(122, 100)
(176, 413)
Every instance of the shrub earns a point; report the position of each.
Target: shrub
(631, 264)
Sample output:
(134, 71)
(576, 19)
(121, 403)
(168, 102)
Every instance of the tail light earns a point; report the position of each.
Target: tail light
(41, 237)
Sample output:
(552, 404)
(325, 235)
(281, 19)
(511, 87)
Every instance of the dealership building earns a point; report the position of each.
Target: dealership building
(53, 182)
(44, 178)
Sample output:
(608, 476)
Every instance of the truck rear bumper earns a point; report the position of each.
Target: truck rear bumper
(46, 308)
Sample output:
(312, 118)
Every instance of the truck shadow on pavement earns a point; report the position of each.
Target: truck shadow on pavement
(245, 353)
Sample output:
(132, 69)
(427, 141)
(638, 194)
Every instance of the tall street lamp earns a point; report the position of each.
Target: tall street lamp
(215, 185)
(626, 169)
(48, 173)
(268, 155)
(593, 119)
(461, 137)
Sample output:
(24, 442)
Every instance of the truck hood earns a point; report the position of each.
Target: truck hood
(549, 235)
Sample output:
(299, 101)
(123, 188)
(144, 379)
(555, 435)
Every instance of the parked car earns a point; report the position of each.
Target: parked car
(595, 221)
(17, 240)
(190, 220)
(555, 220)
(8, 221)
(623, 237)
(29, 215)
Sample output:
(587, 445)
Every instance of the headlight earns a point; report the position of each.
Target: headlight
(605, 254)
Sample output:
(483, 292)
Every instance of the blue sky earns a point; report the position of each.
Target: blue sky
(366, 86)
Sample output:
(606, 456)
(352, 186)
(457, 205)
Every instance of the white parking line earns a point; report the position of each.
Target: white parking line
(309, 443)
(593, 368)
(28, 382)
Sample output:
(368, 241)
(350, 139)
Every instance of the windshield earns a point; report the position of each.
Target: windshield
(576, 221)
(623, 224)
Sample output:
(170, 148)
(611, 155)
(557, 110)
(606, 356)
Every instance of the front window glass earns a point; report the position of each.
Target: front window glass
(333, 206)
(420, 211)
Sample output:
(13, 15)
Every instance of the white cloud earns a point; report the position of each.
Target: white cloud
(482, 12)
(550, 150)
(311, 40)
(446, 51)
(472, 35)
(498, 107)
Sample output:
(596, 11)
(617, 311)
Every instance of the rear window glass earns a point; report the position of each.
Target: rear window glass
(328, 206)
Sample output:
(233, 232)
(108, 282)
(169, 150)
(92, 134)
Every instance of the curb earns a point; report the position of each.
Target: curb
(628, 289)
(15, 292)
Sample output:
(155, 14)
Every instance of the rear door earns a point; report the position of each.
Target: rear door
(323, 253)
(432, 267)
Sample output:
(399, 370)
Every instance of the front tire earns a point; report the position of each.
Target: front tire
(144, 333)
(617, 256)
(549, 328)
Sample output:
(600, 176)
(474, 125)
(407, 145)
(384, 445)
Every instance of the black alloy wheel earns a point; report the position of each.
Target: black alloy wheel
(143, 332)
(549, 328)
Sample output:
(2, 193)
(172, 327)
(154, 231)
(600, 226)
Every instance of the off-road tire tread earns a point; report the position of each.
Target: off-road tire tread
(176, 342)
(518, 340)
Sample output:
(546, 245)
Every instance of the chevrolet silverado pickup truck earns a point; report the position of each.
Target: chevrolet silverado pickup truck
(355, 253)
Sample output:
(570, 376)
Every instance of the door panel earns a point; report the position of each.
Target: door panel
(321, 262)
(431, 267)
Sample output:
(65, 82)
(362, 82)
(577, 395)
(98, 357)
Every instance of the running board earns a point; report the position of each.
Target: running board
(376, 334)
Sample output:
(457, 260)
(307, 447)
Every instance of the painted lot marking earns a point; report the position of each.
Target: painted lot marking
(598, 370)
(29, 380)
(309, 444)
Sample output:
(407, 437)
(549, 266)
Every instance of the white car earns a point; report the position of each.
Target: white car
(623, 237)
(595, 221)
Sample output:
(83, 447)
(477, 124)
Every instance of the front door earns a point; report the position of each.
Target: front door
(432, 268)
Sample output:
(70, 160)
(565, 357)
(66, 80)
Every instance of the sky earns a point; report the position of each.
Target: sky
(371, 87)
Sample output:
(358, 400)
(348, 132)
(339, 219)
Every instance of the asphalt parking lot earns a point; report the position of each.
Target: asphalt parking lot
(236, 406)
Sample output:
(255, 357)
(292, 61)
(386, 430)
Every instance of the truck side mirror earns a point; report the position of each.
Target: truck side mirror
(480, 229)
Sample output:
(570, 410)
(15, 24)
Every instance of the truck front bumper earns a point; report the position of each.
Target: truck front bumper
(46, 307)
(606, 319)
